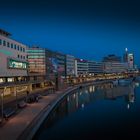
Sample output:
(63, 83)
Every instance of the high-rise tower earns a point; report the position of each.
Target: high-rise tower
(129, 58)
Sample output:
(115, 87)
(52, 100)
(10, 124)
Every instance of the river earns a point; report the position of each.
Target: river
(96, 113)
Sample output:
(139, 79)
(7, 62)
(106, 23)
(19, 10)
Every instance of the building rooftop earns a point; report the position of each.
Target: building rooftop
(112, 58)
(4, 33)
(81, 60)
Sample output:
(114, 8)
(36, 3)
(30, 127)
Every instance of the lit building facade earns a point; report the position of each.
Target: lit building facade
(115, 67)
(129, 58)
(13, 58)
(37, 61)
(70, 66)
(95, 67)
(56, 63)
(81, 67)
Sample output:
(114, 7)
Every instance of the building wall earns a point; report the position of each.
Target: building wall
(129, 58)
(131, 61)
(75, 66)
(11, 49)
(70, 65)
(36, 59)
(113, 67)
(56, 63)
(95, 67)
(82, 67)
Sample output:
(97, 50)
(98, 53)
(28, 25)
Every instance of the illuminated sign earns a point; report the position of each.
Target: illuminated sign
(17, 64)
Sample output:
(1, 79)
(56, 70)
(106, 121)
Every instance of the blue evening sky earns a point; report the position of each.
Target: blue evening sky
(85, 29)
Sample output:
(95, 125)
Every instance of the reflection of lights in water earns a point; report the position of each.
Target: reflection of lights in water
(93, 88)
(83, 105)
(128, 106)
(86, 91)
(90, 89)
(74, 96)
(132, 98)
(76, 93)
(80, 93)
(137, 84)
(68, 98)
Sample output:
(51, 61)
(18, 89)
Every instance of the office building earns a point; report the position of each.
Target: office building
(95, 67)
(81, 67)
(129, 58)
(70, 66)
(37, 63)
(115, 67)
(13, 64)
(56, 63)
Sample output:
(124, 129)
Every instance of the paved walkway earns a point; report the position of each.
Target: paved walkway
(14, 127)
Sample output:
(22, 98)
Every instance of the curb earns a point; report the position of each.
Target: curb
(30, 130)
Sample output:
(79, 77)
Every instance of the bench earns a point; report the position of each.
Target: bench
(22, 104)
(8, 113)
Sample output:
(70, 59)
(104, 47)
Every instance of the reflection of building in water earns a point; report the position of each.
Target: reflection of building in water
(118, 91)
(130, 98)
(58, 113)
(80, 98)
(104, 86)
(83, 98)
(91, 89)
(72, 103)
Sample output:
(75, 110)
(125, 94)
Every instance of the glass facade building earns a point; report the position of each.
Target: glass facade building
(36, 59)
(56, 63)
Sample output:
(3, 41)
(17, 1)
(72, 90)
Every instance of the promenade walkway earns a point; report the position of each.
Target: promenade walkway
(17, 124)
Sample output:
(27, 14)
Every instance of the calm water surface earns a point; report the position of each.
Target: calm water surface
(95, 112)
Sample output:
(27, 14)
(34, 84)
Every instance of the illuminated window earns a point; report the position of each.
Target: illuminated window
(1, 80)
(10, 79)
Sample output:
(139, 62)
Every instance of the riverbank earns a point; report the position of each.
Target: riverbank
(17, 126)
(25, 124)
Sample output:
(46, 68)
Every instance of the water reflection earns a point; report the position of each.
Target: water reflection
(106, 91)
(123, 96)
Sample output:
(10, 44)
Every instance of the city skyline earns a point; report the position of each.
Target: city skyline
(68, 68)
(85, 29)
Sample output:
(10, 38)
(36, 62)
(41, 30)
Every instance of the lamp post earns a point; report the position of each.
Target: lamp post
(16, 98)
(2, 107)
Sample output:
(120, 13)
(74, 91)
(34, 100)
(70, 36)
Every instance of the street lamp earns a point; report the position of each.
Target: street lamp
(16, 99)
(2, 96)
